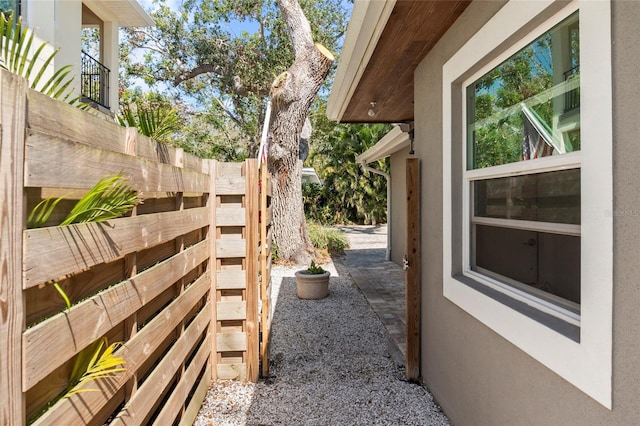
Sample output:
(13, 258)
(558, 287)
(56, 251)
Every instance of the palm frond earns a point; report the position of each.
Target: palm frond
(157, 123)
(110, 198)
(18, 56)
(92, 363)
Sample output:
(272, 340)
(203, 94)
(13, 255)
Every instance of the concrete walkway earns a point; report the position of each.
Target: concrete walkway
(379, 280)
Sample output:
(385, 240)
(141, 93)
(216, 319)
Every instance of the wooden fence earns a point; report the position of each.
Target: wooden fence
(176, 281)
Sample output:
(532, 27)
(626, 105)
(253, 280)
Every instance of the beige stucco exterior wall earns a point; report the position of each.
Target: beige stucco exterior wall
(476, 375)
(398, 223)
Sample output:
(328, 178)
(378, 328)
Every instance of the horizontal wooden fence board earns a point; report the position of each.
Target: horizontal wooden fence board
(153, 150)
(143, 400)
(231, 310)
(230, 279)
(231, 185)
(229, 169)
(230, 216)
(231, 342)
(80, 408)
(178, 396)
(63, 120)
(190, 414)
(51, 253)
(232, 371)
(226, 248)
(47, 165)
(69, 332)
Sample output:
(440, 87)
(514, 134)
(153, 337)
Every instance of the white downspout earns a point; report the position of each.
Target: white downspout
(387, 176)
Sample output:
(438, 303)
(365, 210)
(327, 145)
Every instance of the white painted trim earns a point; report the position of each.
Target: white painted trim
(368, 19)
(529, 225)
(588, 364)
(393, 141)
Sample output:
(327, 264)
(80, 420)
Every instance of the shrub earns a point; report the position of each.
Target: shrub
(327, 238)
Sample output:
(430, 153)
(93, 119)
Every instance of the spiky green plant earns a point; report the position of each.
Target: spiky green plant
(110, 198)
(16, 55)
(158, 123)
(93, 363)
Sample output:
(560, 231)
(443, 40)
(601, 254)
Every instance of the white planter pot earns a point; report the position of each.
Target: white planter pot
(312, 286)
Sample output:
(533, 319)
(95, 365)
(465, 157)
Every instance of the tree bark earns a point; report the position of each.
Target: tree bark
(292, 93)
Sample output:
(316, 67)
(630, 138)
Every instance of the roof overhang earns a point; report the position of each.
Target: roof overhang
(385, 42)
(392, 142)
(128, 13)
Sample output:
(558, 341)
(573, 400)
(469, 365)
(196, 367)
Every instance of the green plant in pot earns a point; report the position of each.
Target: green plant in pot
(313, 282)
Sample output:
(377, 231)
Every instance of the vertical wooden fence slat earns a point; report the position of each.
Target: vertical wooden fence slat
(13, 101)
(251, 212)
(265, 279)
(412, 275)
(212, 265)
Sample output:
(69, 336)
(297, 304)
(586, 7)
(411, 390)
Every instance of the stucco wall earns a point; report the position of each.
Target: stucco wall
(477, 376)
(398, 224)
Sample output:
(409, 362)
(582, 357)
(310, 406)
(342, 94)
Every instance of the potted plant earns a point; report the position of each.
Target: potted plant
(313, 282)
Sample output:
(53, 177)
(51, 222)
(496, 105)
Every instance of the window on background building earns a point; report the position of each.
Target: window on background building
(524, 222)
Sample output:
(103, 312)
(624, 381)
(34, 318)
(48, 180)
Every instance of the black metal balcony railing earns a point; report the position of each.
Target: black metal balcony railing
(94, 79)
(572, 97)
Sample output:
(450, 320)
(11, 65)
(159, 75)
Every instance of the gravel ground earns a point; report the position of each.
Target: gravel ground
(332, 363)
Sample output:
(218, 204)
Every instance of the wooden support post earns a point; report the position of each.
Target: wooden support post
(265, 279)
(412, 275)
(251, 224)
(212, 265)
(13, 102)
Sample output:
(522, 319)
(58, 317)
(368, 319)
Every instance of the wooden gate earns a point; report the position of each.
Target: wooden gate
(242, 278)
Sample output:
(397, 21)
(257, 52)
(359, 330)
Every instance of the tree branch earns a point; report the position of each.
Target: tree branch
(298, 25)
(202, 69)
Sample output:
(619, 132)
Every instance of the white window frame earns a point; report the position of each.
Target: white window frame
(586, 364)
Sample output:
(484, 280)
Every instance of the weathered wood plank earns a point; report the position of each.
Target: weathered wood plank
(48, 165)
(231, 279)
(230, 216)
(229, 169)
(51, 253)
(231, 310)
(412, 275)
(69, 332)
(176, 401)
(231, 342)
(232, 371)
(13, 103)
(141, 404)
(62, 120)
(226, 248)
(81, 408)
(191, 412)
(230, 185)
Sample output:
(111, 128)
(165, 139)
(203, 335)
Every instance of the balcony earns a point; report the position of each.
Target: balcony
(94, 80)
(572, 97)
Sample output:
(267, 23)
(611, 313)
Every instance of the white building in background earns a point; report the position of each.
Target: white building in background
(61, 23)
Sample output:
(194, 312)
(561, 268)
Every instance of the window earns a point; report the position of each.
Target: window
(527, 175)
(525, 226)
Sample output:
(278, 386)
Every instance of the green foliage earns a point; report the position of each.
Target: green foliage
(156, 121)
(220, 76)
(94, 363)
(327, 238)
(110, 198)
(16, 43)
(349, 194)
(314, 269)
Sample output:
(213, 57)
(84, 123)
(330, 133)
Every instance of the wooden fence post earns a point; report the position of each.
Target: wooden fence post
(265, 278)
(413, 272)
(212, 266)
(252, 230)
(13, 101)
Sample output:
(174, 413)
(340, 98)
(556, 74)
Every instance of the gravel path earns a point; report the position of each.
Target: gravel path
(331, 364)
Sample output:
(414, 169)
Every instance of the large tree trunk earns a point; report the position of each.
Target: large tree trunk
(292, 93)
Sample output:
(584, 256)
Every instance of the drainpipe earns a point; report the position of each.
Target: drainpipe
(386, 176)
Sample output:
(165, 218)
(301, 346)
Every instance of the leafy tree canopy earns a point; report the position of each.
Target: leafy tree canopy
(220, 73)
